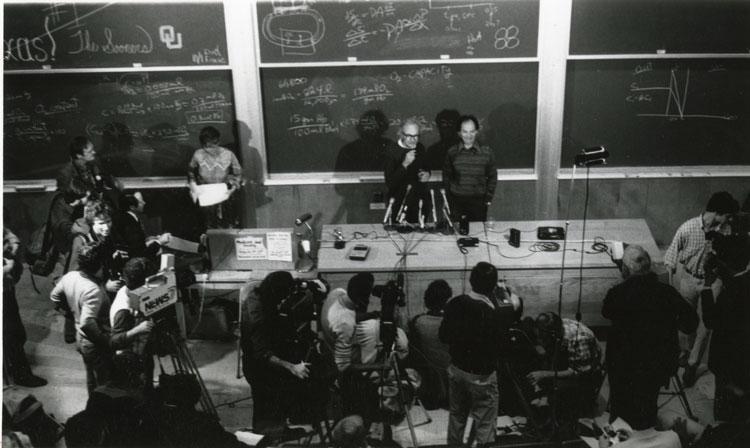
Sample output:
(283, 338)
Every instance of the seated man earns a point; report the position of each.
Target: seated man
(430, 355)
(578, 366)
(128, 234)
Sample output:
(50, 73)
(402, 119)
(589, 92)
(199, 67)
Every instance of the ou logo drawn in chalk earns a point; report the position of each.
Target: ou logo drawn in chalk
(171, 39)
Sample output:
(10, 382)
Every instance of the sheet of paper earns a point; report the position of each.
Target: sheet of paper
(250, 248)
(279, 246)
(210, 194)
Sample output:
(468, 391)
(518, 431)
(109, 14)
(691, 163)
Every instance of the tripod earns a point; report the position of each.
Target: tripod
(184, 365)
(390, 363)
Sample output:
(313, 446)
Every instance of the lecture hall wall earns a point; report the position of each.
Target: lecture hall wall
(664, 200)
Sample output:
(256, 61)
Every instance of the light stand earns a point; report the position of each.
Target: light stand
(586, 158)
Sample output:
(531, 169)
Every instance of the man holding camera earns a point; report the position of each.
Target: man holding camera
(271, 360)
(684, 259)
(473, 327)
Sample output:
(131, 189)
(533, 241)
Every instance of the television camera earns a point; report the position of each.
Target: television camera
(158, 300)
(391, 294)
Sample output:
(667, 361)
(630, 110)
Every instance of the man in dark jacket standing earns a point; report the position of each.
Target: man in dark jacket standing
(472, 327)
(642, 347)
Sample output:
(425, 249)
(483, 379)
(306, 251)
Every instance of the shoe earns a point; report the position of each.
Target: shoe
(30, 380)
(690, 375)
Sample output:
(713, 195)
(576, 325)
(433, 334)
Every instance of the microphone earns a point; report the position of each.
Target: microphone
(402, 216)
(403, 202)
(445, 201)
(388, 211)
(434, 210)
(302, 219)
(595, 155)
(419, 215)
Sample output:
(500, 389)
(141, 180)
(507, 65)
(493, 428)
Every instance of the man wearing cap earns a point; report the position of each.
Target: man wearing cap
(684, 260)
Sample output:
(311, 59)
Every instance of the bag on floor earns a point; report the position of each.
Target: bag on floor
(26, 414)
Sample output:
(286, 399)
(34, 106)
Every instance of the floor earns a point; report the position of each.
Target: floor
(65, 394)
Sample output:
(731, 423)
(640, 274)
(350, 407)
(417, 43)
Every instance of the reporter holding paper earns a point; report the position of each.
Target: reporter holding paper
(214, 164)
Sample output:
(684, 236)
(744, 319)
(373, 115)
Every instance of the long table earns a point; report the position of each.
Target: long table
(530, 272)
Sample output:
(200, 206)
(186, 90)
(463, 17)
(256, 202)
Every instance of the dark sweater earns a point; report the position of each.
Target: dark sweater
(645, 315)
(470, 172)
(473, 331)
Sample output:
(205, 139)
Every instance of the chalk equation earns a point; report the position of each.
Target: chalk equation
(80, 34)
(673, 95)
(299, 28)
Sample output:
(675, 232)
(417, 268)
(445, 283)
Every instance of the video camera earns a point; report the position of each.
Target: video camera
(391, 294)
(729, 252)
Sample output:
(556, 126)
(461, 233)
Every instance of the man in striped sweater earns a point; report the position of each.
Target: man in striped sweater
(469, 173)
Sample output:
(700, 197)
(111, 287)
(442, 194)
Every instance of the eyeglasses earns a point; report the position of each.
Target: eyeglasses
(410, 135)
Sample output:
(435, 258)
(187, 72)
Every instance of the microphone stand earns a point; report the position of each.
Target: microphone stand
(583, 161)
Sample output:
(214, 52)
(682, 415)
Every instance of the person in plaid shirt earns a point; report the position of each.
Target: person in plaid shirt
(578, 366)
(684, 260)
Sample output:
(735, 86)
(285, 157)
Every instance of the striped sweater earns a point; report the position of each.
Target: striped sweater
(470, 171)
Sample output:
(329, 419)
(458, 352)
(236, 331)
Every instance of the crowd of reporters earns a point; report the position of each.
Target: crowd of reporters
(303, 343)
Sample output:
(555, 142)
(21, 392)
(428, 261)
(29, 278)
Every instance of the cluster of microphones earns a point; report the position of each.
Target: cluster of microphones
(401, 213)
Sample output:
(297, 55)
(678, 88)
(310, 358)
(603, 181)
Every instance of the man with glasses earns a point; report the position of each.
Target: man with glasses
(404, 167)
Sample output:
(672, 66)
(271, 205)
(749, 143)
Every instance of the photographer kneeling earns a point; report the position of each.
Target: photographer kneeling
(273, 356)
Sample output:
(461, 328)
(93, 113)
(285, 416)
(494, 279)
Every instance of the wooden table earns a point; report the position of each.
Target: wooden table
(533, 275)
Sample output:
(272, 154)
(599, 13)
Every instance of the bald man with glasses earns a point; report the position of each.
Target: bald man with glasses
(406, 165)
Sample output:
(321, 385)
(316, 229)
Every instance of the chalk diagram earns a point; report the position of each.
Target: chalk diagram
(296, 30)
(677, 95)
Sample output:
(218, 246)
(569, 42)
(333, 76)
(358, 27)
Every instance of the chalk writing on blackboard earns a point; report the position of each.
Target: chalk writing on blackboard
(674, 95)
(73, 34)
(299, 27)
(309, 29)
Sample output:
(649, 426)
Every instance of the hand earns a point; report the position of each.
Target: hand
(537, 376)
(301, 370)
(113, 285)
(409, 158)
(8, 265)
(164, 238)
(424, 176)
(144, 327)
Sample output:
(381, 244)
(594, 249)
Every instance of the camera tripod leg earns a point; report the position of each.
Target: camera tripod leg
(521, 398)
(407, 407)
(183, 360)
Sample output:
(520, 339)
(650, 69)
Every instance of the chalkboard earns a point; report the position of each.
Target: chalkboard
(313, 115)
(141, 123)
(294, 31)
(637, 27)
(679, 112)
(77, 35)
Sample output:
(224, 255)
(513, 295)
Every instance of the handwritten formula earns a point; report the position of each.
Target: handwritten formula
(426, 29)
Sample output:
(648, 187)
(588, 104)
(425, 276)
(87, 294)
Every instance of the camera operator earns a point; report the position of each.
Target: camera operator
(473, 327)
(339, 316)
(728, 314)
(130, 331)
(273, 356)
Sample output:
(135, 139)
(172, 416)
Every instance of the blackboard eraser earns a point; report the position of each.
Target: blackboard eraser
(445, 56)
(661, 51)
(137, 65)
(352, 59)
(46, 67)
